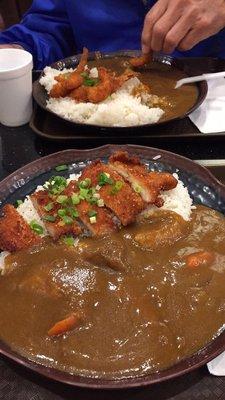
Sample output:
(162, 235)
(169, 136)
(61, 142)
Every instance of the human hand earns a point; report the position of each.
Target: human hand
(181, 24)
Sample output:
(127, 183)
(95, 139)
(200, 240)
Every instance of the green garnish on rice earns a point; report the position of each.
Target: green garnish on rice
(60, 168)
(37, 228)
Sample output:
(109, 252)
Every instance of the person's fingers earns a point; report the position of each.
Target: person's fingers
(193, 37)
(161, 29)
(176, 34)
(153, 15)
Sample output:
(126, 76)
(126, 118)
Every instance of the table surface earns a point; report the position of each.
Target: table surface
(19, 146)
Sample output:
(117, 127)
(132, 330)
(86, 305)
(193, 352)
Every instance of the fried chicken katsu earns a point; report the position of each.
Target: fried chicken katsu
(48, 207)
(117, 194)
(15, 233)
(147, 184)
(98, 219)
(104, 198)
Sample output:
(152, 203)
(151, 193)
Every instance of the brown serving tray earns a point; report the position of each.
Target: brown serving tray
(51, 127)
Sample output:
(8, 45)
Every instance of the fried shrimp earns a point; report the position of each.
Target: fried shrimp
(79, 94)
(108, 84)
(70, 81)
(140, 61)
(104, 89)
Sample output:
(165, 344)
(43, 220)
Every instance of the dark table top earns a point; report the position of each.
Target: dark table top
(19, 146)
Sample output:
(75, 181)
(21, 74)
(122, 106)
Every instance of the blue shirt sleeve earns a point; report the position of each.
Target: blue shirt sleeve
(44, 31)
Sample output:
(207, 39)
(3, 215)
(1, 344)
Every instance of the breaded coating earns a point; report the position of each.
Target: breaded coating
(125, 203)
(70, 81)
(141, 60)
(15, 233)
(58, 227)
(148, 184)
(104, 224)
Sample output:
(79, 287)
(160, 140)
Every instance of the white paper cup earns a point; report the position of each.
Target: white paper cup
(15, 86)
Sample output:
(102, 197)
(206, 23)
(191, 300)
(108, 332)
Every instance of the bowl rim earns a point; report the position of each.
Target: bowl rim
(210, 351)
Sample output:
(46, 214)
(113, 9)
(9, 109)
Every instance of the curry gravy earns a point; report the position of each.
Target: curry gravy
(142, 310)
(161, 79)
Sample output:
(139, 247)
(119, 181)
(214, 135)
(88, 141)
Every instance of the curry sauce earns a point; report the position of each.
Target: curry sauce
(161, 79)
(142, 309)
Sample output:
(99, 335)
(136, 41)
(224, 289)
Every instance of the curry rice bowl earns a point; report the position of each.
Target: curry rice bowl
(121, 109)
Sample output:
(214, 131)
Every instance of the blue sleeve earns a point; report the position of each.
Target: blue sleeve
(44, 31)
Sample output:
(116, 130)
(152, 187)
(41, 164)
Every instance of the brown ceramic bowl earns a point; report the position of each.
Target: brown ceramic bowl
(203, 187)
(163, 61)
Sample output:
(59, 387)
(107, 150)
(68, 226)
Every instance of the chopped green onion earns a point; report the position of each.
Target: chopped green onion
(92, 200)
(117, 187)
(138, 189)
(92, 213)
(37, 228)
(75, 199)
(61, 212)
(49, 218)
(85, 183)
(60, 168)
(93, 220)
(62, 199)
(104, 178)
(55, 185)
(100, 203)
(83, 193)
(19, 202)
(84, 74)
(49, 207)
(74, 213)
(67, 220)
(69, 240)
(90, 81)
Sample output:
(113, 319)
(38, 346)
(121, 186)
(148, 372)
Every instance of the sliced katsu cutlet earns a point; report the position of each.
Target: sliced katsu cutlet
(57, 222)
(15, 233)
(117, 194)
(90, 208)
(148, 184)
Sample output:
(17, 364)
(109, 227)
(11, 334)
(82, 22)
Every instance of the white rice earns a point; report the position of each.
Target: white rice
(48, 81)
(28, 212)
(177, 200)
(119, 109)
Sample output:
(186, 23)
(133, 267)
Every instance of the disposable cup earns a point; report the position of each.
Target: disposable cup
(15, 86)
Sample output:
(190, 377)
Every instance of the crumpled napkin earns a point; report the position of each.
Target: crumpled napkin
(210, 116)
(217, 366)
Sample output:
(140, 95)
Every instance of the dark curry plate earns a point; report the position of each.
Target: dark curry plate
(163, 73)
(202, 186)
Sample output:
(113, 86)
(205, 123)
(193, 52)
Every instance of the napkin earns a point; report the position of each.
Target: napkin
(210, 116)
(217, 366)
